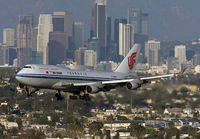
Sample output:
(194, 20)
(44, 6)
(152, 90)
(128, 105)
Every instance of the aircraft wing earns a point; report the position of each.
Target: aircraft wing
(143, 78)
(64, 85)
(67, 84)
(157, 77)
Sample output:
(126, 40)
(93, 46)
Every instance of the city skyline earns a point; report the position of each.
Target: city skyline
(57, 38)
(175, 21)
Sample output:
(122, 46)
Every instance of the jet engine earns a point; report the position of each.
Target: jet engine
(92, 89)
(132, 85)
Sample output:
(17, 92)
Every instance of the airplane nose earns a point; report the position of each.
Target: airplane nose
(17, 76)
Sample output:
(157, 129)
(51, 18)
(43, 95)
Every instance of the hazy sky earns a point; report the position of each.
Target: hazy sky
(169, 19)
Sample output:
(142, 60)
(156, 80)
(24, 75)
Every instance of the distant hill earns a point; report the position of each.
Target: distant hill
(169, 19)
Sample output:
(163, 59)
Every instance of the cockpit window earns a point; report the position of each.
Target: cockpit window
(27, 67)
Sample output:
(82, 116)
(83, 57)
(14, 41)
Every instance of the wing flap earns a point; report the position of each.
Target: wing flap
(117, 81)
(157, 77)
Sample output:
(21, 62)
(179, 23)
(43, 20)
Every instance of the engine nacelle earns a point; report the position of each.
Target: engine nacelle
(91, 89)
(132, 85)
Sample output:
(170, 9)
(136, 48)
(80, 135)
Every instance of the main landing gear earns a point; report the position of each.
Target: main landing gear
(85, 97)
(81, 96)
(59, 96)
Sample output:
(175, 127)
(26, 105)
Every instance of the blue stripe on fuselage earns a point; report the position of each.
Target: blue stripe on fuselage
(66, 77)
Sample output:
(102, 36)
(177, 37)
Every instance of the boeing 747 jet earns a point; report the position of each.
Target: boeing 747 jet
(80, 84)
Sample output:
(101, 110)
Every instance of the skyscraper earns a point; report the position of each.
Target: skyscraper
(145, 24)
(44, 27)
(116, 31)
(152, 48)
(78, 35)
(180, 53)
(139, 22)
(24, 35)
(3, 55)
(135, 19)
(124, 39)
(57, 47)
(108, 30)
(92, 24)
(62, 22)
(34, 38)
(80, 55)
(9, 36)
(196, 59)
(100, 26)
(90, 58)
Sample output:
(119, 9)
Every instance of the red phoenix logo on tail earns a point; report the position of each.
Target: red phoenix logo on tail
(131, 60)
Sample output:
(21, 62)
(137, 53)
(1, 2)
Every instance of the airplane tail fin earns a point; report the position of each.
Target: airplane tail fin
(128, 63)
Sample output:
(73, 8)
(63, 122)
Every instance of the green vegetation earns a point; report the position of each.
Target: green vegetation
(45, 109)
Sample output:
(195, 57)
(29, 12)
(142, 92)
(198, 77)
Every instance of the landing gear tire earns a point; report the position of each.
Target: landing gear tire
(85, 97)
(73, 97)
(59, 96)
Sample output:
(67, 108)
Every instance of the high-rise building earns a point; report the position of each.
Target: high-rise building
(57, 47)
(116, 32)
(9, 36)
(145, 24)
(180, 53)
(34, 38)
(62, 22)
(172, 63)
(109, 30)
(152, 48)
(44, 27)
(135, 19)
(100, 26)
(92, 24)
(3, 55)
(124, 39)
(78, 35)
(92, 44)
(24, 35)
(139, 22)
(196, 60)
(90, 58)
(80, 55)
(86, 57)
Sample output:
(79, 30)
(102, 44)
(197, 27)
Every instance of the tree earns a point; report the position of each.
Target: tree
(136, 129)
(123, 118)
(107, 132)
(184, 90)
(42, 120)
(11, 119)
(94, 128)
(14, 131)
(19, 122)
(33, 134)
(74, 130)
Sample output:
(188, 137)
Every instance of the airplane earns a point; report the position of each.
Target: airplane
(80, 84)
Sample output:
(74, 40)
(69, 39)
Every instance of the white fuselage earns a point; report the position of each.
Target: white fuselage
(46, 76)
